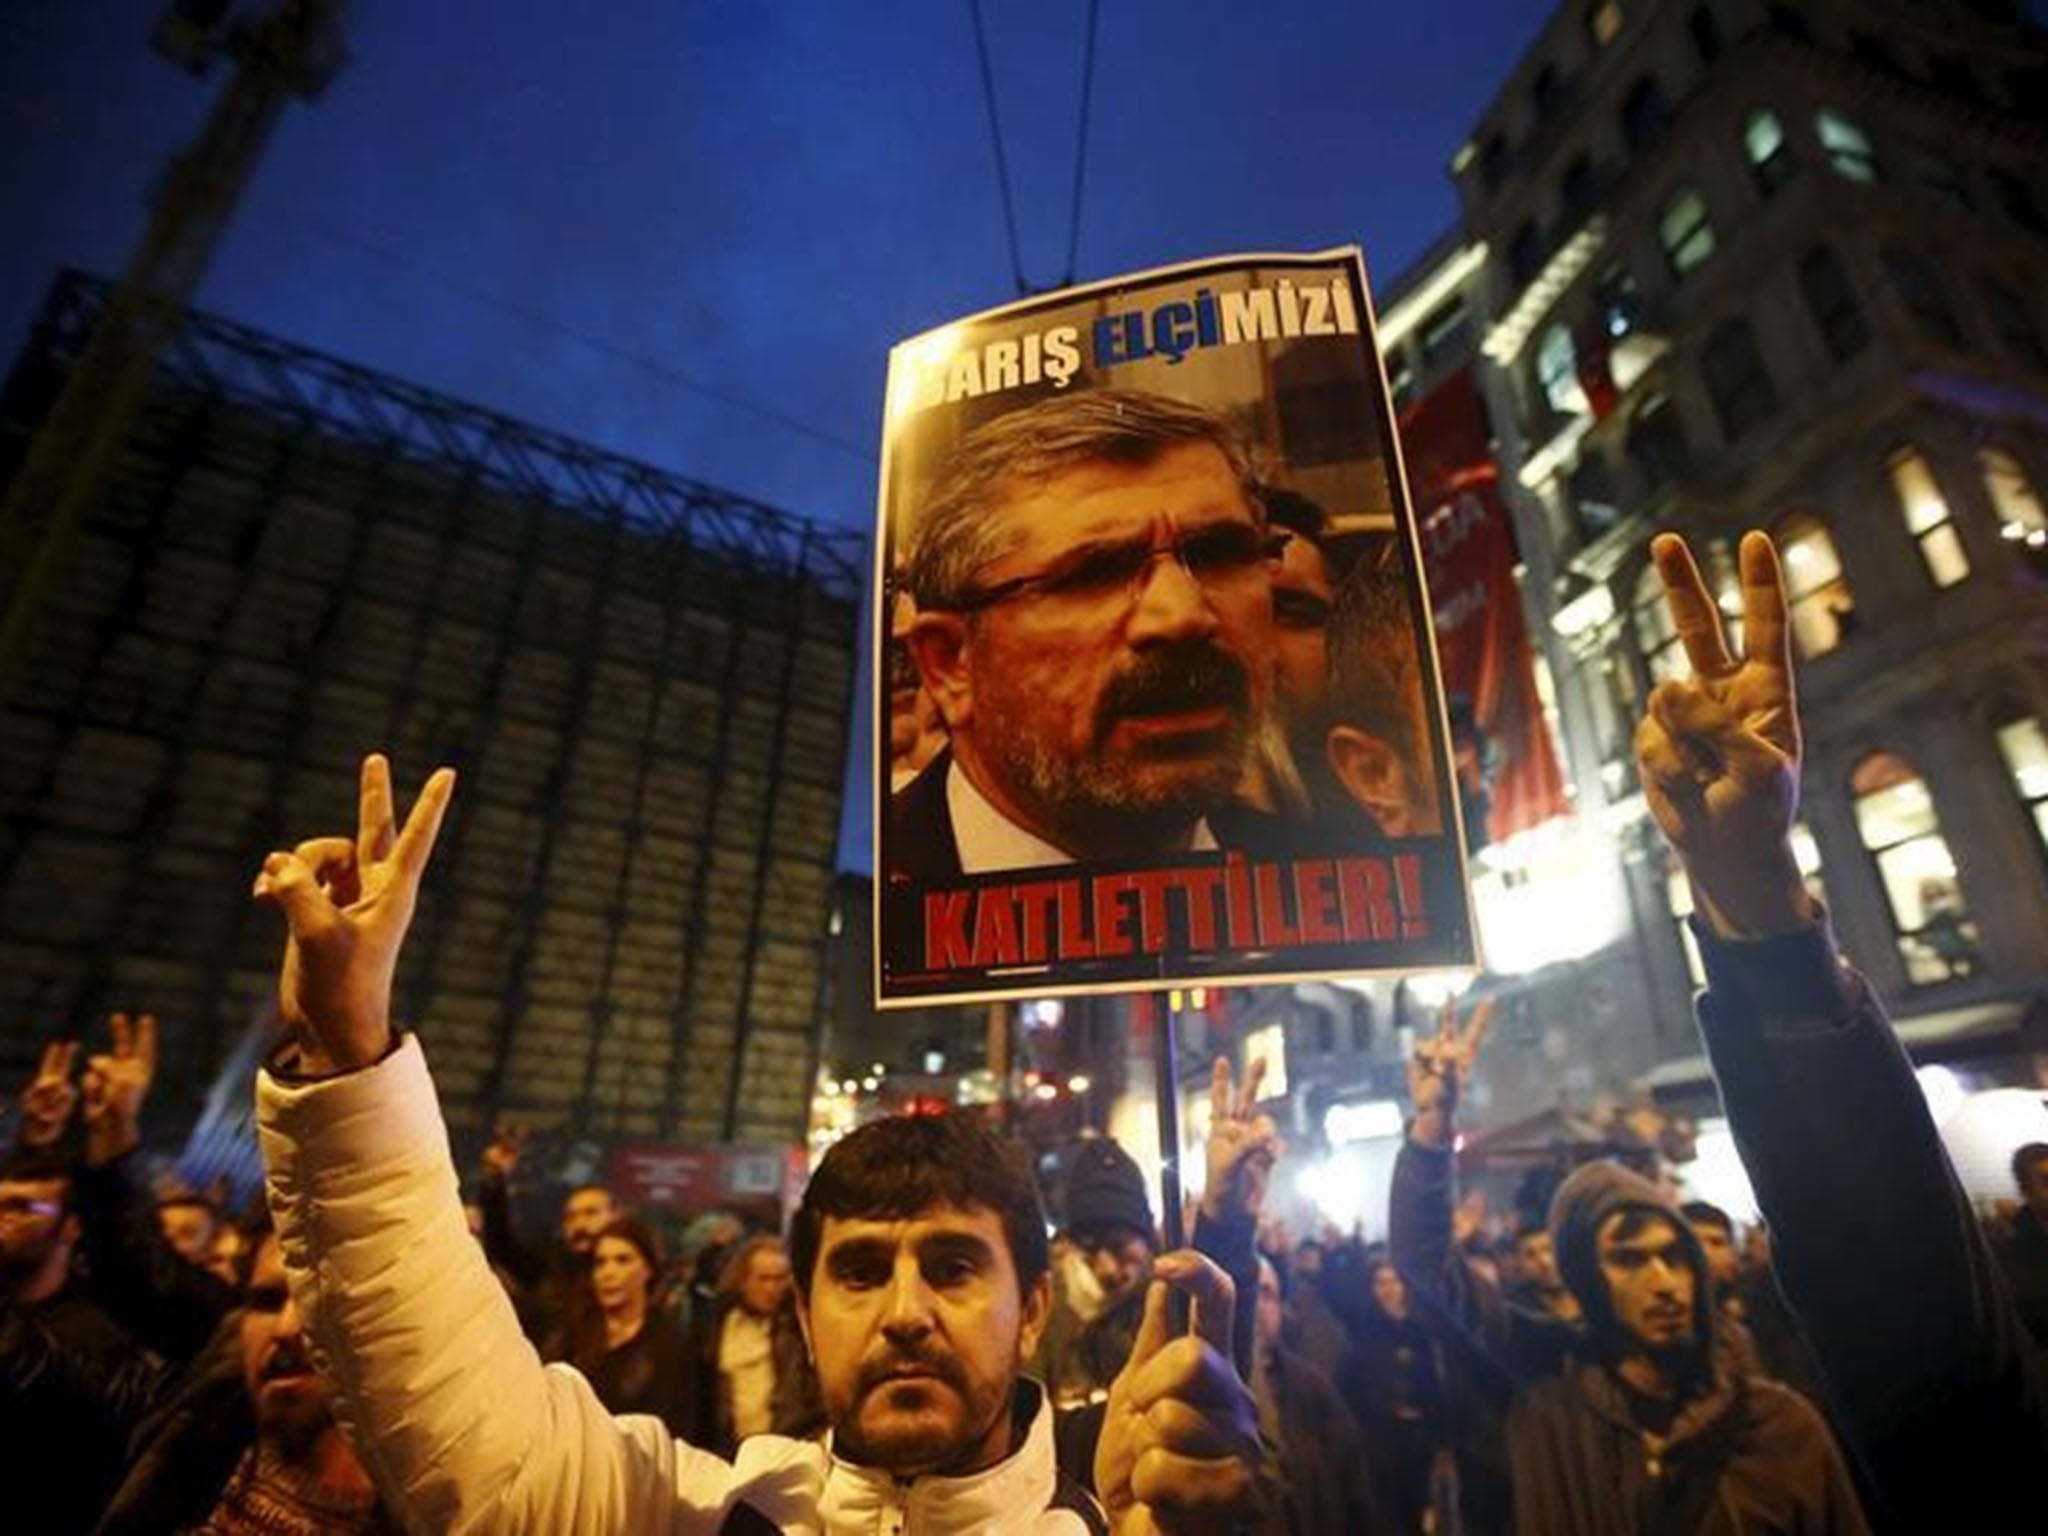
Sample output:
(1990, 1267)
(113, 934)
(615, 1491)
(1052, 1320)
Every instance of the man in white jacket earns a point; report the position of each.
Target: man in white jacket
(923, 1282)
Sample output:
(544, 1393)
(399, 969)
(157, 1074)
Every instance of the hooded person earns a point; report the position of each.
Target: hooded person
(1109, 1223)
(1636, 1420)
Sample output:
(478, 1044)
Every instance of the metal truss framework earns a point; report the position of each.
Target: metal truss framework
(646, 683)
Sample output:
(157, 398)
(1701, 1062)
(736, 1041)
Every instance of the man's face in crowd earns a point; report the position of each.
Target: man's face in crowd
(1271, 1314)
(918, 1328)
(585, 1214)
(1302, 596)
(1650, 1282)
(1724, 1259)
(766, 1282)
(33, 1224)
(1113, 707)
(1389, 1291)
(292, 1400)
(1119, 1259)
(189, 1228)
(2034, 1187)
(1308, 1261)
(1536, 1256)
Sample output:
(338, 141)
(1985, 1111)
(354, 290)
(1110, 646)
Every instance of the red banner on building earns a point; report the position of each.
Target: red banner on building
(1507, 764)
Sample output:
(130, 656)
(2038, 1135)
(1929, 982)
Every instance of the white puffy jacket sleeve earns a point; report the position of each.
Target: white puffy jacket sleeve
(459, 1423)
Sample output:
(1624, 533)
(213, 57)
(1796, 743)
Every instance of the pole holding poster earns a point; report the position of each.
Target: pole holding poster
(1161, 703)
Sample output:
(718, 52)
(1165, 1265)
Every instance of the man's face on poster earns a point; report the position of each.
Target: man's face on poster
(1105, 684)
(1302, 596)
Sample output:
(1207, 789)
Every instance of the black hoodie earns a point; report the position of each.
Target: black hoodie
(1740, 1455)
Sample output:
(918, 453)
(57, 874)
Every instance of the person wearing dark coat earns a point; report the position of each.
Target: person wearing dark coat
(633, 1352)
(751, 1372)
(2022, 1247)
(1931, 1371)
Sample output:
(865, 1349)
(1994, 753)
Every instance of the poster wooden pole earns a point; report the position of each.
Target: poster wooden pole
(1165, 1050)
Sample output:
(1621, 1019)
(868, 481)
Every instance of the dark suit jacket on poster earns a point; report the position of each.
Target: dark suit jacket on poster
(922, 848)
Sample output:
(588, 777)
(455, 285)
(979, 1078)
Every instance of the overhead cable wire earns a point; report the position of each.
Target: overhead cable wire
(1081, 145)
(995, 135)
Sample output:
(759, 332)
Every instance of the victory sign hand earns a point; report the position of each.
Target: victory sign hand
(1441, 1066)
(1718, 753)
(1180, 1450)
(115, 1086)
(1242, 1147)
(347, 906)
(50, 1097)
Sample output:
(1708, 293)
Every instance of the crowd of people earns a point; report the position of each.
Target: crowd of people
(922, 1351)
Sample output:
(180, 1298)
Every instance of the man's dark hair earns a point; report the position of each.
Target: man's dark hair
(2033, 1152)
(1704, 1213)
(1526, 1229)
(37, 1165)
(597, 1184)
(1297, 514)
(954, 537)
(183, 1198)
(1375, 666)
(894, 1169)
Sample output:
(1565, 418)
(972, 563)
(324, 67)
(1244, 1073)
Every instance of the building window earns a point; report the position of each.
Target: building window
(1831, 300)
(1580, 189)
(1557, 372)
(1686, 230)
(1546, 91)
(1603, 22)
(1525, 255)
(2017, 198)
(1593, 501)
(1400, 377)
(1770, 158)
(2012, 321)
(1927, 517)
(1847, 146)
(1445, 330)
(1895, 817)
(2025, 750)
(1614, 297)
(1705, 32)
(1736, 381)
(1643, 112)
(2021, 519)
(1656, 444)
(1656, 635)
(1921, 292)
(1822, 609)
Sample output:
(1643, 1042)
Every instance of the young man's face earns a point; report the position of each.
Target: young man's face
(1120, 1259)
(1302, 595)
(2034, 1187)
(189, 1228)
(1650, 1282)
(1536, 1258)
(585, 1214)
(33, 1223)
(918, 1328)
(1109, 713)
(291, 1398)
(1724, 1259)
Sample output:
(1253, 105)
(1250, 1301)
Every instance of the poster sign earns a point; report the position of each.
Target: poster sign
(1158, 700)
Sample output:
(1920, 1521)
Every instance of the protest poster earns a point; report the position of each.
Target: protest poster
(1157, 699)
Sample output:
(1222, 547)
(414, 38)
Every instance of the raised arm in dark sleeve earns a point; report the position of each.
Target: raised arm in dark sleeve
(168, 1303)
(1877, 1249)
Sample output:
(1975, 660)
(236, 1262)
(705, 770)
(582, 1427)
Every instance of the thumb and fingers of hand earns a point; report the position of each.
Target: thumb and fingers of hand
(1248, 1091)
(416, 843)
(1166, 1481)
(1693, 614)
(1765, 634)
(57, 1058)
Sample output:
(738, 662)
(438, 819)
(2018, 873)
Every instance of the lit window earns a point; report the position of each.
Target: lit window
(1686, 231)
(2025, 750)
(1770, 158)
(1928, 518)
(1831, 300)
(2013, 322)
(1741, 390)
(1823, 611)
(2021, 518)
(1895, 817)
(1603, 21)
(1848, 147)
(1557, 372)
(1921, 292)
(1657, 636)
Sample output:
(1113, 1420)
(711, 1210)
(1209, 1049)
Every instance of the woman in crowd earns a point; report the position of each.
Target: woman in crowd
(632, 1350)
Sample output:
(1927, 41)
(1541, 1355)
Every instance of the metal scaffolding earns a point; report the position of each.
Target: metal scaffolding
(645, 681)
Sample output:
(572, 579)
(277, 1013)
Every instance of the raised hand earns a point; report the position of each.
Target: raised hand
(1440, 1067)
(1242, 1148)
(115, 1086)
(50, 1097)
(1718, 753)
(501, 1158)
(347, 906)
(1179, 1450)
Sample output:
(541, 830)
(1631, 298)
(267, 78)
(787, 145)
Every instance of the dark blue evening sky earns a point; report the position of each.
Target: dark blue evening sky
(563, 212)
